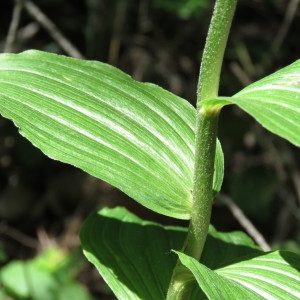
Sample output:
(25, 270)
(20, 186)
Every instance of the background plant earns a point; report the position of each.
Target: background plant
(51, 275)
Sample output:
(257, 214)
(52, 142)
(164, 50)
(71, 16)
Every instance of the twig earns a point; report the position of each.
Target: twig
(28, 32)
(286, 172)
(115, 44)
(244, 222)
(18, 236)
(55, 33)
(13, 27)
(282, 32)
(45, 241)
(286, 23)
(240, 74)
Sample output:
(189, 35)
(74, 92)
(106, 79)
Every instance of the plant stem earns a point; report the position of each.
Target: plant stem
(206, 136)
(209, 78)
(207, 123)
(207, 126)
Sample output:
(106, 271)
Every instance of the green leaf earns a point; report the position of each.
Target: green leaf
(273, 275)
(212, 284)
(221, 248)
(219, 169)
(26, 280)
(34, 280)
(136, 136)
(134, 256)
(273, 101)
(73, 290)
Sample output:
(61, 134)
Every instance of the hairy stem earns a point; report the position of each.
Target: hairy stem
(209, 77)
(206, 136)
(203, 180)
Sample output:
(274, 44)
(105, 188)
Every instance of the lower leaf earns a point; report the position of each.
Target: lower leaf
(134, 256)
(272, 276)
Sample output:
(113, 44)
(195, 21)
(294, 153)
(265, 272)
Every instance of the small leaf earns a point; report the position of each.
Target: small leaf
(219, 169)
(273, 101)
(273, 275)
(136, 136)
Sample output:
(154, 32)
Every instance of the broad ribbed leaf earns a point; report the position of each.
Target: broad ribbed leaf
(273, 101)
(221, 248)
(272, 276)
(212, 284)
(134, 256)
(136, 136)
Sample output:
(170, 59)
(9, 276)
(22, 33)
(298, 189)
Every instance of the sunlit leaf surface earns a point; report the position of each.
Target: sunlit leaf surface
(135, 257)
(273, 101)
(136, 136)
(272, 276)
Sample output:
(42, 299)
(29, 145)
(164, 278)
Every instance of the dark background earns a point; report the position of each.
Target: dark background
(44, 202)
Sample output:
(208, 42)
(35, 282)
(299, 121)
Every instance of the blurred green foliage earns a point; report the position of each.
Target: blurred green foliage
(49, 276)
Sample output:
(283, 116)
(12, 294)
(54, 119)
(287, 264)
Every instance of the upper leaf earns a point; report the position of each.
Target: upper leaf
(136, 136)
(274, 101)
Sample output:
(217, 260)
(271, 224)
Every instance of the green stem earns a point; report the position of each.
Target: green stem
(207, 125)
(206, 136)
(209, 77)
